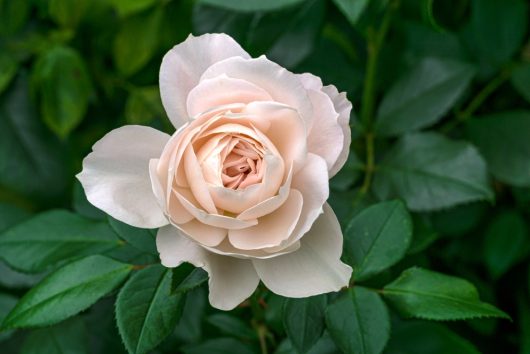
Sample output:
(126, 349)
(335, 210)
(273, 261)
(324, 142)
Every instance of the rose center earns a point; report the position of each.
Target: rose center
(242, 165)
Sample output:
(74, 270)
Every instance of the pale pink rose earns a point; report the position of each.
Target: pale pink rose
(240, 188)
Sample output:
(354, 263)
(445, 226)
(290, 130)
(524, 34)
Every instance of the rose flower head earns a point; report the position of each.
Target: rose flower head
(240, 188)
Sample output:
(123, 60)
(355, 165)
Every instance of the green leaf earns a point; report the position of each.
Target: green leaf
(136, 41)
(218, 346)
(53, 237)
(303, 320)
(422, 96)
(424, 235)
(16, 280)
(11, 215)
(142, 239)
(8, 69)
(496, 29)
(459, 220)
(186, 277)
(502, 252)
(63, 86)
(144, 105)
(425, 294)
(418, 337)
(359, 322)
(127, 7)
(431, 172)
(13, 15)
(352, 9)
(524, 322)
(67, 13)
(285, 37)
(67, 291)
(31, 159)
(377, 238)
(503, 138)
(70, 337)
(520, 80)
(7, 303)
(146, 311)
(189, 328)
(232, 326)
(251, 5)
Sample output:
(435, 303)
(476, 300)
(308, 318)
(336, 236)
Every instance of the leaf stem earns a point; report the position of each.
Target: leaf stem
(478, 100)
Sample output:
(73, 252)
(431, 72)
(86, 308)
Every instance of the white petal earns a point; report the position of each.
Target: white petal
(232, 280)
(204, 234)
(183, 66)
(116, 177)
(315, 268)
(326, 137)
(343, 108)
(223, 90)
(283, 86)
(271, 229)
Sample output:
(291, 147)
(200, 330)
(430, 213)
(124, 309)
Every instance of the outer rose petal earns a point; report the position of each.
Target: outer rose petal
(184, 64)
(315, 268)
(116, 178)
(343, 108)
(232, 280)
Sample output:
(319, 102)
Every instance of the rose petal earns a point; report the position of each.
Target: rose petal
(196, 181)
(343, 108)
(315, 268)
(225, 248)
(287, 130)
(284, 86)
(271, 229)
(223, 90)
(204, 234)
(232, 280)
(183, 66)
(116, 177)
(326, 137)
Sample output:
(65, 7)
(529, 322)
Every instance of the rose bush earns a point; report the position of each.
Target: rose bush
(240, 188)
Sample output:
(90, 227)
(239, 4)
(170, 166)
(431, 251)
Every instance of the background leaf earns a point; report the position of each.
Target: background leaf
(67, 337)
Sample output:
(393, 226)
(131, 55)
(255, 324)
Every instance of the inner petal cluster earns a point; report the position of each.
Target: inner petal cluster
(242, 161)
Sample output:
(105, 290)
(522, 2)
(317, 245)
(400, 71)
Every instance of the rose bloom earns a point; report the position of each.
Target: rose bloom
(240, 188)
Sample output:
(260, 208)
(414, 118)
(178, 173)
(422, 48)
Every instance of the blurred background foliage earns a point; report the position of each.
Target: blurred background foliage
(72, 70)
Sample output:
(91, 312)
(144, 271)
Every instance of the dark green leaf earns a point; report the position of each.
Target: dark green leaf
(54, 237)
(136, 41)
(219, 346)
(358, 322)
(142, 239)
(520, 80)
(503, 140)
(32, 161)
(351, 9)
(250, 5)
(423, 95)
(8, 69)
(7, 303)
(68, 13)
(425, 294)
(61, 81)
(377, 238)
(186, 277)
(69, 337)
(143, 105)
(427, 338)
(16, 280)
(146, 311)
(459, 220)
(13, 15)
(232, 326)
(497, 29)
(303, 320)
(67, 291)
(431, 172)
(423, 236)
(11, 215)
(505, 239)
(189, 328)
(127, 7)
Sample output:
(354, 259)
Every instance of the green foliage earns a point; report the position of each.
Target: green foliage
(359, 322)
(54, 237)
(146, 311)
(422, 293)
(67, 291)
(441, 121)
(377, 238)
(431, 172)
(304, 321)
